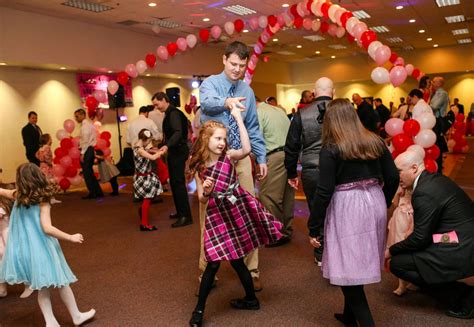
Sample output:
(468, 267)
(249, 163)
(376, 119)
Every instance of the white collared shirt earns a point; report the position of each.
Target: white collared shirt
(416, 181)
(137, 125)
(88, 135)
(157, 117)
(420, 108)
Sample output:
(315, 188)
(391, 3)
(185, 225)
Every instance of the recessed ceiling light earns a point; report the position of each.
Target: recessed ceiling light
(379, 29)
(421, 31)
(285, 5)
(62, 68)
(206, 19)
(3, 63)
(110, 71)
(333, 57)
(460, 31)
(412, 20)
(429, 39)
(152, 4)
(435, 45)
(455, 19)
(318, 52)
(245, 31)
(464, 41)
(147, 75)
(179, 77)
(275, 40)
(399, 7)
(360, 14)
(444, 3)
(299, 46)
(239, 10)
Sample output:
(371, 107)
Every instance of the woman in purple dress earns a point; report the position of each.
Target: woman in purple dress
(236, 223)
(358, 180)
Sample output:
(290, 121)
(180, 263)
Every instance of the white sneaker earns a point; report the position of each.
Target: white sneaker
(54, 201)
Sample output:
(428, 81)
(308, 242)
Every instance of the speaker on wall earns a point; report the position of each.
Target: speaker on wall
(118, 99)
(173, 94)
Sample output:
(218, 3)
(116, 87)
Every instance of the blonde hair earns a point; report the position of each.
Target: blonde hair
(343, 129)
(32, 185)
(200, 152)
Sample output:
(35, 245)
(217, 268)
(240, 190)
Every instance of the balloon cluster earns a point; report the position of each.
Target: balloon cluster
(92, 103)
(415, 135)
(458, 143)
(189, 108)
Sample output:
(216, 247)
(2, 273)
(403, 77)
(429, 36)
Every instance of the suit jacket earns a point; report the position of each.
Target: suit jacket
(368, 116)
(440, 206)
(175, 130)
(31, 139)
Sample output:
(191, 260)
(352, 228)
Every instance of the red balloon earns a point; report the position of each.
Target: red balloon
(272, 20)
(107, 143)
(395, 154)
(325, 9)
(350, 38)
(393, 57)
(416, 72)
(269, 31)
(122, 78)
(172, 48)
(266, 58)
(105, 135)
(298, 22)
(239, 25)
(431, 165)
(60, 152)
(294, 11)
(251, 71)
(70, 171)
(56, 160)
(432, 152)
(76, 163)
(324, 27)
(66, 143)
(91, 102)
(91, 113)
(64, 184)
(308, 6)
(344, 17)
(411, 127)
(150, 60)
(204, 35)
(401, 142)
(367, 38)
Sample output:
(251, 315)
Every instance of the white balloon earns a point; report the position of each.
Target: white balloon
(317, 7)
(351, 22)
(426, 120)
(262, 21)
(340, 31)
(373, 47)
(141, 66)
(332, 12)
(418, 149)
(338, 15)
(380, 75)
(300, 10)
(229, 28)
(425, 138)
(288, 20)
(409, 68)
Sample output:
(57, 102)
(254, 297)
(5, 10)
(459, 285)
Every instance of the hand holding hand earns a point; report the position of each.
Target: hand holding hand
(230, 102)
(236, 111)
(314, 242)
(293, 183)
(77, 238)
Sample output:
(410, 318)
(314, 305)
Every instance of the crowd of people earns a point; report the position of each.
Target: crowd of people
(348, 177)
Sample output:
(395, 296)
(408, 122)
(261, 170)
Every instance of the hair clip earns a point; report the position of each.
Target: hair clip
(147, 133)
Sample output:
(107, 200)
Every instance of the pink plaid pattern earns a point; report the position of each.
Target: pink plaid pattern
(232, 231)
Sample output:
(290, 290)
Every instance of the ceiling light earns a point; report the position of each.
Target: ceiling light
(110, 71)
(333, 57)
(285, 5)
(429, 39)
(318, 52)
(360, 14)
(148, 75)
(455, 19)
(206, 19)
(444, 3)
(380, 29)
(152, 4)
(460, 31)
(337, 46)
(435, 45)
(399, 7)
(62, 68)
(421, 31)
(395, 39)
(239, 10)
(86, 5)
(314, 38)
(275, 40)
(245, 31)
(195, 84)
(3, 63)
(464, 41)
(412, 20)
(299, 46)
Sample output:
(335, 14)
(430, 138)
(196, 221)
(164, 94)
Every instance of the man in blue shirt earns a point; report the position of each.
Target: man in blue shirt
(218, 93)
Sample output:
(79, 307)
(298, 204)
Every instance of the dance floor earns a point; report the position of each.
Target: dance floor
(134, 278)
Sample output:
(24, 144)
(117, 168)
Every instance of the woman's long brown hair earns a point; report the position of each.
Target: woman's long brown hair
(200, 151)
(343, 129)
(32, 186)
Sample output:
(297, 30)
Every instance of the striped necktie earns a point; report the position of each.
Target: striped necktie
(233, 137)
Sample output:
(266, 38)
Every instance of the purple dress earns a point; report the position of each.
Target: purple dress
(236, 222)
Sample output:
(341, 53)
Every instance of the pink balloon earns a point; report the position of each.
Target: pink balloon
(373, 47)
(112, 87)
(264, 37)
(398, 75)
(131, 70)
(300, 10)
(58, 171)
(101, 144)
(275, 28)
(409, 68)
(332, 30)
(332, 12)
(65, 161)
(399, 61)
(262, 21)
(141, 66)
(394, 126)
(253, 23)
(382, 54)
(253, 58)
(181, 43)
(69, 125)
(61, 133)
(257, 49)
(340, 32)
(425, 138)
(280, 19)
(216, 32)
(380, 75)
(252, 65)
(229, 28)
(74, 153)
(100, 96)
(162, 53)
(76, 180)
(316, 25)
(191, 40)
(351, 22)
(307, 23)
(358, 29)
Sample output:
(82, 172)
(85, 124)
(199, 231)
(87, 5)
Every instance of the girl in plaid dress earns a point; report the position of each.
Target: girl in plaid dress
(146, 184)
(236, 223)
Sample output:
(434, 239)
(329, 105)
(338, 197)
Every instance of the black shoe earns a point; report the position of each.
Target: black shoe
(89, 197)
(282, 241)
(461, 313)
(101, 195)
(174, 215)
(114, 193)
(318, 256)
(182, 221)
(157, 200)
(144, 228)
(344, 320)
(243, 304)
(196, 318)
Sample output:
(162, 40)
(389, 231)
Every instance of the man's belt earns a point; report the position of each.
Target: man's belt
(282, 148)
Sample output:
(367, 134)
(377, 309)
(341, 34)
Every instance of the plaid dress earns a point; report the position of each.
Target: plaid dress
(236, 222)
(146, 184)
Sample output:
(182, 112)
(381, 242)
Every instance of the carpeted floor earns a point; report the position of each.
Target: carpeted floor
(134, 278)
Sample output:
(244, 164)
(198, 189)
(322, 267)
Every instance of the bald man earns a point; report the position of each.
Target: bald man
(441, 247)
(367, 115)
(439, 99)
(304, 136)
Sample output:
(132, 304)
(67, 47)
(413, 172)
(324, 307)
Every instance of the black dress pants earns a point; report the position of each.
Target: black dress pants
(91, 182)
(176, 166)
(403, 266)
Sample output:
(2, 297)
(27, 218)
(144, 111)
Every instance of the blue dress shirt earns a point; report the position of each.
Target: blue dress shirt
(214, 91)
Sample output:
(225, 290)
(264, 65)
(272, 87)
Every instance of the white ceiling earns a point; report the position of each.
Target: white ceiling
(189, 14)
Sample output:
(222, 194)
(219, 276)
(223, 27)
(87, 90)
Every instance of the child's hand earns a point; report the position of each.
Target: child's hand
(236, 109)
(208, 185)
(77, 238)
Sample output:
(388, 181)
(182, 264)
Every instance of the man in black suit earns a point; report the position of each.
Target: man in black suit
(175, 130)
(441, 247)
(31, 137)
(367, 115)
(384, 115)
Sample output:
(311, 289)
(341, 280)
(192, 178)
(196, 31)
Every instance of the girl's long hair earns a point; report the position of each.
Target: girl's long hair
(32, 186)
(343, 129)
(6, 203)
(200, 152)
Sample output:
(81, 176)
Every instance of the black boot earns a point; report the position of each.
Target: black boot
(182, 221)
(196, 318)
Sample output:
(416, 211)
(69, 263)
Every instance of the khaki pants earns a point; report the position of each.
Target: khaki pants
(276, 194)
(244, 173)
